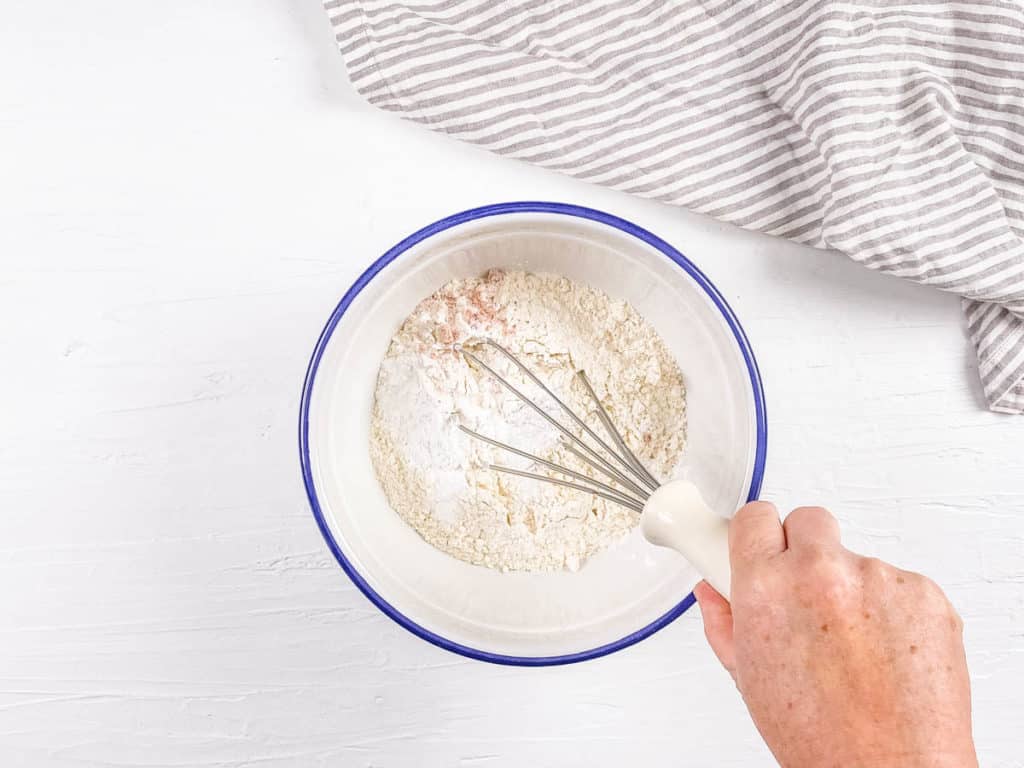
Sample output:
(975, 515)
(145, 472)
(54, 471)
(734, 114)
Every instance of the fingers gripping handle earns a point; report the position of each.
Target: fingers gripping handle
(676, 516)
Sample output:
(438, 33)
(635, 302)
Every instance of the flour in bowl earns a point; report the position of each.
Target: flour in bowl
(437, 477)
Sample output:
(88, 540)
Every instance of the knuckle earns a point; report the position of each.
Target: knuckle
(756, 510)
(932, 592)
(923, 588)
(941, 607)
(836, 587)
(821, 564)
(811, 528)
(753, 543)
(759, 587)
(825, 580)
(956, 621)
(809, 513)
(874, 569)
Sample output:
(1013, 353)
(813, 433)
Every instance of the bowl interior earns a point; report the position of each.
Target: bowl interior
(616, 593)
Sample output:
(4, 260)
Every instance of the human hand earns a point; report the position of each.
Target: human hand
(843, 661)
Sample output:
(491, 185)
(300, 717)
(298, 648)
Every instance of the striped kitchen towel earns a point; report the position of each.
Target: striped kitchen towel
(892, 131)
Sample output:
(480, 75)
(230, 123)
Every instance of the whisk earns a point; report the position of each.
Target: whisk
(672, 514)
(635, 483)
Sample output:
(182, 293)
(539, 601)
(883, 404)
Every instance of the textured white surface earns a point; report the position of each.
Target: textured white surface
(185, 192)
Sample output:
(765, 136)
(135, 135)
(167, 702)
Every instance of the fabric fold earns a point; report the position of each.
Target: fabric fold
(890, 131)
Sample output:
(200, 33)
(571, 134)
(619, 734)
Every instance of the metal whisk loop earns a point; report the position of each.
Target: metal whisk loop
(612, 494)
(566, 484)
(641, 475)
(544, 414)
(632, 498)
(649, 482)
(614, 434)
(615, 477)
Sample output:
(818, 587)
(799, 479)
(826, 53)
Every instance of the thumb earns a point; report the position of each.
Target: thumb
(717, 615)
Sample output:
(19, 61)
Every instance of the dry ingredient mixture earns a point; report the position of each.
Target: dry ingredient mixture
(437, 478)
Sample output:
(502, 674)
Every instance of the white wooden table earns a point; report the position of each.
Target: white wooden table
(186, 189)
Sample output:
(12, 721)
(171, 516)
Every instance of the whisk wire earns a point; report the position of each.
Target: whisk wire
(634, 482)
(568, 411)
(541, 412)
(639, 468)
(612, 497)
(552, 465)
(609, 472)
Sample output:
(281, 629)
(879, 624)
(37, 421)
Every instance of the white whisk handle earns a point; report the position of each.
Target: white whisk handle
(676, 516)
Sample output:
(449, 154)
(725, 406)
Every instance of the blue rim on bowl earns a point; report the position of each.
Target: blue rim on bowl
(429, 231)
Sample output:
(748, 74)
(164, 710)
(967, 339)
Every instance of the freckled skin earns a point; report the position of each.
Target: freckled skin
(868, 659)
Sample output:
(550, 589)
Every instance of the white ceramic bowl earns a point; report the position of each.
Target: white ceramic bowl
(622, 594)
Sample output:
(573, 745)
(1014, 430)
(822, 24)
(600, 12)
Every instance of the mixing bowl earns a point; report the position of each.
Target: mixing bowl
(621, 594)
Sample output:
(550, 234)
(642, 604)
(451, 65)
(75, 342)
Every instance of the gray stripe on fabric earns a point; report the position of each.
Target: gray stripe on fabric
(874, 249)
(476, 33)
(895, 132)
(424, 88)
(1006, 334)
(680, 59)
(435, 32)
(984, 315)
